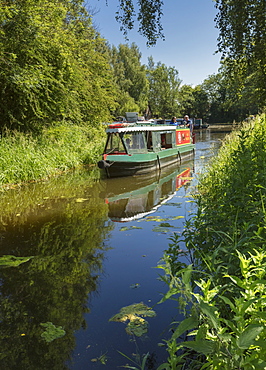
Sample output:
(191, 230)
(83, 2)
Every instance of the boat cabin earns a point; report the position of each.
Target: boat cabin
(143, 139)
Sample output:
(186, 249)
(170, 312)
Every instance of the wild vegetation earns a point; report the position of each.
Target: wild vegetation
(56, 70)
(25, 157)
(221, 289)
(53, 66)
(59, 80)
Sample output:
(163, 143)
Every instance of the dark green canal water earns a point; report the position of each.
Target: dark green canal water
(87, 248)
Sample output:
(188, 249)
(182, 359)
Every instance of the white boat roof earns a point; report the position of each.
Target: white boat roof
(141, 128)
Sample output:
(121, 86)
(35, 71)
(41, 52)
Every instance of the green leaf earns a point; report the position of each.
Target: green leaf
(165, 224)
(134, 314)
(160, 229)
(144, 360)
(247, 337)
(164, 366)
(261, 343)
(81, 200)
(203, 346)
(227, 301)
(210, 312)
(126, 228)
(169, 294)
(236, 280)
(185, 325)
(186, 276)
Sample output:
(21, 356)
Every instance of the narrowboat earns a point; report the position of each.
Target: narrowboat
(142, 147)
(198, 124)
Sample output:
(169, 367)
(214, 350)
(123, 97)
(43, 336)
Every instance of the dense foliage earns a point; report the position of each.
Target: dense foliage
(242, 42)
(222, 289)
(25, 157)
(240, 84)
(130, 79)
(55, 69)
(164, 89)
(53, 66)
(147, 12)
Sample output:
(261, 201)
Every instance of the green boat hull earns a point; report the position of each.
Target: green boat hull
(140, 164)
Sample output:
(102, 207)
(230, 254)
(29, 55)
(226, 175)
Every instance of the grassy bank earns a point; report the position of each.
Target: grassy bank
(222, 289)
(26, 158)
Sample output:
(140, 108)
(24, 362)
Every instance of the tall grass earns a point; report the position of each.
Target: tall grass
(24, 157)
(222, 289)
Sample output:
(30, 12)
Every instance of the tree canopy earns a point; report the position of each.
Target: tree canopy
(53, 65)
(56, 68)
(148, 13)
(164, 89)
(242, 42)
(130, 79)
(242, 38)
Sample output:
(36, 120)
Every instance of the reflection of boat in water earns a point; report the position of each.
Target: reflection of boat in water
(138, 198)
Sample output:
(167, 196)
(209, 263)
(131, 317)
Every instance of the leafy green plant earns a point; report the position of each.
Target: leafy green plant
(221, 288)
(223, 341)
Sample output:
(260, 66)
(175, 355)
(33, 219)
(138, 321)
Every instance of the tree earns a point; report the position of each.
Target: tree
(242, 38)
(201, 104)
(148, 15)
(225, 102)
(219, 99)
(53, 66)
(130, 78)
(164, 89)
(186, 100)
(242, 41)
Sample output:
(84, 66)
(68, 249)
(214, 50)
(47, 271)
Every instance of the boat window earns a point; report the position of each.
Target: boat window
(156, 141)
(135, 142)
(168, 140)
(163, 140)
(114, 144)
(149, 140)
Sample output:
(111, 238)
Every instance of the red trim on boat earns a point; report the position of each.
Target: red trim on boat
(116, 125)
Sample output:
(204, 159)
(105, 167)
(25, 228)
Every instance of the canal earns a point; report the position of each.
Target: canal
(75, 250)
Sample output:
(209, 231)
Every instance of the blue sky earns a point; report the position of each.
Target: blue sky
(190, 36)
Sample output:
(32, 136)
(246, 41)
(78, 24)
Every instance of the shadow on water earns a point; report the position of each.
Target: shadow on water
(92, 245)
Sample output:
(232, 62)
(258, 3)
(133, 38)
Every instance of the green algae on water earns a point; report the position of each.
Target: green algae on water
(134, 313)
